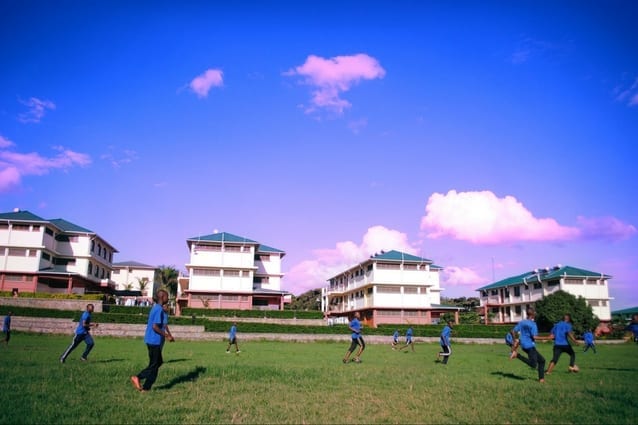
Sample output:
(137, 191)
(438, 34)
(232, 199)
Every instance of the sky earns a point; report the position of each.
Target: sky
(492, 138)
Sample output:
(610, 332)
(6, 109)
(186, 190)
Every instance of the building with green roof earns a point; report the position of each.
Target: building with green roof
(232, 272)
(390, 287)
(506, 300)
(52, 255)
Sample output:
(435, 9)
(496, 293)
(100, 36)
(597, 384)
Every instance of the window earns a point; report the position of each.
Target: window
(116, 271)
(231, 272)
(99, 250)
(517, 291)
(387, 266)
(17, 252)
(556, 282)
(33, 252)
(14, 277)
(230, 297)
(48, 231)
(62, 238)
(410, 290)
(409, 267)
(207, 248)
(206, 272)
(4, 226)
(537, 285)
(110, 257)
(46, 256)
(517, 309)
(369, 267)
(64, 261)
(92, 246)
(388, 290)
(21, 227)
(494, 292)
(232, 248)
(90, 267)
(96, 272)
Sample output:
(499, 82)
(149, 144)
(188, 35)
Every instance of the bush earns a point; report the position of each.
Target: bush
(37, 312)
(121, 309)
(58, 296)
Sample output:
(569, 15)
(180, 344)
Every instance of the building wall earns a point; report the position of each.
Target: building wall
(123, 275)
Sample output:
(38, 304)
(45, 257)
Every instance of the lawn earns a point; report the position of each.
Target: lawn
(280, 382)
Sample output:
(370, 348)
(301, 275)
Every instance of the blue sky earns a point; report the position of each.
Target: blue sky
(491, 137)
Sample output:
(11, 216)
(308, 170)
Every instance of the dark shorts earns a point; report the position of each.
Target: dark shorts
(357, 342)
(560, 349)
(232, 341)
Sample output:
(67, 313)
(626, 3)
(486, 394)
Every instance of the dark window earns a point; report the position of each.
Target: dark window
(62, 238)
(537, 285)
(90, 268)
(553, 282)
(92, 246)
(46, 256)
(517, 291)
(517, 309)
(48, 231)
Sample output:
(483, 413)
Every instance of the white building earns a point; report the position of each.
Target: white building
(507, 299)
(232, 272)
(132, 277)
(388, 288)
(39, 255)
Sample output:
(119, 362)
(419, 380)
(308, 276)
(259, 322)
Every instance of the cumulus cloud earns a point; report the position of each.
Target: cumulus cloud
(15, 165)
(461, 276)
(5, 143)
(37, 110)
(202, 84)
(315, 272)
(333, 76)
(483, 218)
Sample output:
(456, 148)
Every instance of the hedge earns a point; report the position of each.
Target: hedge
(122, 309)
(259, 314)
(37, 312)
(92, 297)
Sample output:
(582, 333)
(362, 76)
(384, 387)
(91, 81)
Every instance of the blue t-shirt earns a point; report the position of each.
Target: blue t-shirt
(6, 325)
(633, 327)
(509, 339)
(445, 335)
(528, 330)
(356, 326)
(588, 337)
(395, 335)
(83, 326)
(156, 316)
(408, 335)
(560, 332)
(232, 333)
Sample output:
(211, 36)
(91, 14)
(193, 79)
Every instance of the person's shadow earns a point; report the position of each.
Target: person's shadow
(189, 377)
(509, 375)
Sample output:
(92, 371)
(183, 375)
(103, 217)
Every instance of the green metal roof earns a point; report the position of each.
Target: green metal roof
(67, 226)
(398, 256)
(265, 248)
(21, 215)
(626, 311)
(222, 237)
(544, 275)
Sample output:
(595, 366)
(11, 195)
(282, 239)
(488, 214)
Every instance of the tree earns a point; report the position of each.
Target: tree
(142, 283)
(552, 308)
(166, 278)
(309, 300)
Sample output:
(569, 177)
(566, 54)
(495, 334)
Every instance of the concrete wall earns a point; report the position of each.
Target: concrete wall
(56, 304)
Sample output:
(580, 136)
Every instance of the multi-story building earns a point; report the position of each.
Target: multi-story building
(232, 272)
(39, 255)
(134, 278)
(388, 288)
(506, 301)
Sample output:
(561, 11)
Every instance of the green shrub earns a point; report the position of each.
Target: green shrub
(37, 312)
(122, 309)
(58, 296)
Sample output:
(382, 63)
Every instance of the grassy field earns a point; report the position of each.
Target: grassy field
(278, 382)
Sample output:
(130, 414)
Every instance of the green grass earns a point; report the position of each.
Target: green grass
(279, 382)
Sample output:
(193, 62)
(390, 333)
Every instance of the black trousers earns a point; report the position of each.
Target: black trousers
(560, 349)
(535, 359)
(149, 375)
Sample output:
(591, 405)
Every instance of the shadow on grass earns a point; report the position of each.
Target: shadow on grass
(509, 376)
(176, 360)
(613, 369)
(108, 361)
(189, 377)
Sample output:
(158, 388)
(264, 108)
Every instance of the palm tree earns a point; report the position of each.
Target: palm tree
(142, 283)
(166, 278)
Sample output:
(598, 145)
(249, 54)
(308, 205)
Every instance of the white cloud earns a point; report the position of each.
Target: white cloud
(461, 276)
(202, 84)
(333, 76)
(37, 110)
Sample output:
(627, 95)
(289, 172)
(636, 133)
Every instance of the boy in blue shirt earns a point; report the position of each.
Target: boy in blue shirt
(6, 327)
(588, 337)
(357, 339)
(82, 334)
(444, 340)
(562, 333)
(408, 339)
(528, 332)
(156, 333)
(395, 338)
(232, 339)
(509, 341)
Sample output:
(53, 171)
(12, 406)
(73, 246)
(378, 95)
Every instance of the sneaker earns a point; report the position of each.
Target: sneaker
(227, 351)
(238, 351)
(357, 360)
(83, 359)
(136, 383)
